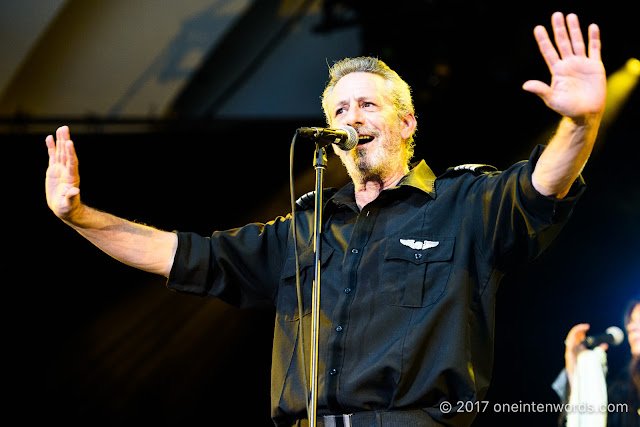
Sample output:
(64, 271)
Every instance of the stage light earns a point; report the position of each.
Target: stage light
(620, 85)
(633, 66)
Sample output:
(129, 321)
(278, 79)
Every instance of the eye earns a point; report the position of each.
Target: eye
(339, 111)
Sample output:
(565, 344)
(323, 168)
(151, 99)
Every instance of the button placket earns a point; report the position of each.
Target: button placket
(354, 255)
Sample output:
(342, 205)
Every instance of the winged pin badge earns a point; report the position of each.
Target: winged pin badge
(419, 245)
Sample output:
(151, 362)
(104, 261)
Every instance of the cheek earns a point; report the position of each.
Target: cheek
(634, 340)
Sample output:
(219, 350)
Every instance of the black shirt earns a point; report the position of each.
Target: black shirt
(621, 392)
(407, 288)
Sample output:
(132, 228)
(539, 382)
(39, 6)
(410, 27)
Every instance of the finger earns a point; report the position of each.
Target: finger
(561, 36)
(51, 148)
(70, 151)
(58, 149)
(62, 136)
(594, 42)
(580, 327)
(72, 192)
(50, 142)
(577, 41)
(577, 334)
(537, 87)
(62, 133)
(546, 47)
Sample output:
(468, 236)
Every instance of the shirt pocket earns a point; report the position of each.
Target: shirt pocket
(416, 269)
(287, 302)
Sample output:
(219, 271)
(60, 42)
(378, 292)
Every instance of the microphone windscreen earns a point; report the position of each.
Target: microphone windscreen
(352, 138)
(617, 334)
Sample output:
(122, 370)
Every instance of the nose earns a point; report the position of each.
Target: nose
(354, 116)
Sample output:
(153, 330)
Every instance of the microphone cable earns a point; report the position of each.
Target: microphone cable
(294, 232)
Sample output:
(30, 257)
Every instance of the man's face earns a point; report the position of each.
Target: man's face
(360, 100)
(633, 331)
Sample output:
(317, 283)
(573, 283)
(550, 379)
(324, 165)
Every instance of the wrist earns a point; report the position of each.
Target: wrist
(589, 120)
(79, 216)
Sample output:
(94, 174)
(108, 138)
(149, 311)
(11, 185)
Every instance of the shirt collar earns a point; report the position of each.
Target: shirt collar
(420, 177)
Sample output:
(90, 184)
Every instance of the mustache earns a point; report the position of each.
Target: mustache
(366, 130)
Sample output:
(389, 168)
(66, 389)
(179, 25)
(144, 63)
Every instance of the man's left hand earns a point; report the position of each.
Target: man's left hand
(578, 80)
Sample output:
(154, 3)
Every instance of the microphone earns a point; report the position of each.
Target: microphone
(344, 137)
(612, 336)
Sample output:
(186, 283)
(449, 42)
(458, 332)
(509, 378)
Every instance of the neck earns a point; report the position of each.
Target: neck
(369, 188)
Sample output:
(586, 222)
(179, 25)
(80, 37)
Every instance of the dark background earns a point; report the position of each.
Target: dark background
(93, 342)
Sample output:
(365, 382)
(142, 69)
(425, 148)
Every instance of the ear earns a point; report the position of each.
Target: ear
(409, 124)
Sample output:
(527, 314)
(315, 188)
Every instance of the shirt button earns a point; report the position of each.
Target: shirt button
(354, 251)
(339, 329)
(347, 290)
(333, 372)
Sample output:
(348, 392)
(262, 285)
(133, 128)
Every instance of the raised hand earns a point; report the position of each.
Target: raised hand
(578, 80)
(134, 244)
(62, 184)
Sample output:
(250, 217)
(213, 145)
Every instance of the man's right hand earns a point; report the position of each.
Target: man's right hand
(134, 244)
(62, 184)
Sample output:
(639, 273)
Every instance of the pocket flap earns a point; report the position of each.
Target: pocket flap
(419, 249)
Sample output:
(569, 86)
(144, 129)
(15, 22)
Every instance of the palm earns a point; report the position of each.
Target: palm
(578, 87)
(62, 179)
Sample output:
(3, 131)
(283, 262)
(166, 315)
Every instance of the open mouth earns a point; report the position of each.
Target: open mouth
(364, 139)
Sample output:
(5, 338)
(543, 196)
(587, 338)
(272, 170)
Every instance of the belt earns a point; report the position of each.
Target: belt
(409, 418)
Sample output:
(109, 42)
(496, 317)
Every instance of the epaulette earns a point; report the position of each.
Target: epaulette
(308, 200)
(475, 168)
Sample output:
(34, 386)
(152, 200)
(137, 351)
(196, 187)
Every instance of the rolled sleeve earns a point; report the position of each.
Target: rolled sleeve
(192, 265)
(548, 209)
(518, 222)
(240, 266)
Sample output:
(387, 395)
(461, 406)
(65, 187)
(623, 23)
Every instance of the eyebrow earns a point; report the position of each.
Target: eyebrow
(358, 99)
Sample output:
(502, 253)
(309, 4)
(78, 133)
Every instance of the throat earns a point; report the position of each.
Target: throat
(369, 190)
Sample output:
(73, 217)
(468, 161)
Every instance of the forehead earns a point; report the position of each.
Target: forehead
(358, 85)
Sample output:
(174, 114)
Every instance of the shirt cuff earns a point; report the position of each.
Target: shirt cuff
(191, 265)
(552, 209)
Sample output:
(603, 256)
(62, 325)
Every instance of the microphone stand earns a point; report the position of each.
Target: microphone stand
(320, 164)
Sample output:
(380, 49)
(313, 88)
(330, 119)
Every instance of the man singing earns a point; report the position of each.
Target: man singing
(410, 262)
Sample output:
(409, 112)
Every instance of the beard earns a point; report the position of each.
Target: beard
(376, 160)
